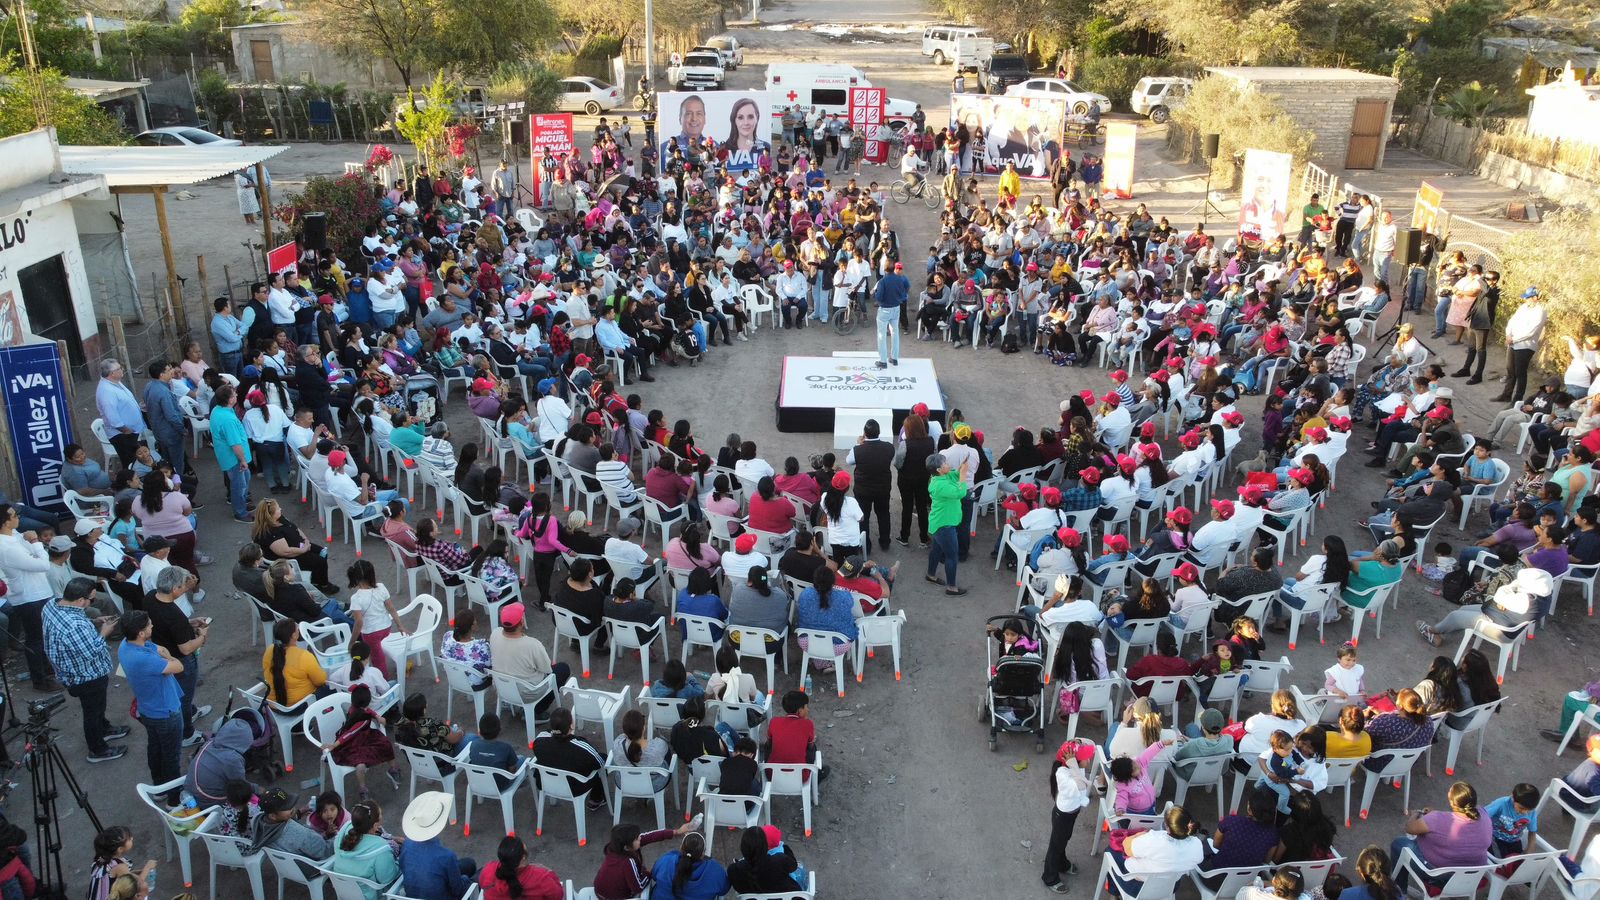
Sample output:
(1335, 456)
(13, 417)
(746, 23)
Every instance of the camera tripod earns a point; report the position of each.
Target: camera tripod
(47, 770)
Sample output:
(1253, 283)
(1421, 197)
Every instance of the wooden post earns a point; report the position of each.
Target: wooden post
(180, 315)
(264, 195)
(66, 366)
(119, 342)
(227, 280)
(205, 300)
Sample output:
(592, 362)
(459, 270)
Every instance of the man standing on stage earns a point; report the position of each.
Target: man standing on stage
(893, 290)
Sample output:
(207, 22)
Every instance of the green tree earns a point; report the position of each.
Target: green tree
(1243, 118)
(527, 82)
(424, 120)
(207, 21)
(76, 118)
(419, 36)
(57, 40)
(1232, 33)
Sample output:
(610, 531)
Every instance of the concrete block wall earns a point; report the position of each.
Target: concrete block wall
(1327, 109)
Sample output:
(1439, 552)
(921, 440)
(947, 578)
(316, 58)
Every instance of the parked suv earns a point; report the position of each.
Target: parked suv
(1158, 97)
(1002, 71)
(939, 41)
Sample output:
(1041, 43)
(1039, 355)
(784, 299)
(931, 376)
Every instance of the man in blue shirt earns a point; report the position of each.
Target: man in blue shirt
(152, 676)
(428, 867)
(123, 419)
(893, 290)
(613, 340)
(167, 420)
(233, 451)
(77, 649)
(227, 332)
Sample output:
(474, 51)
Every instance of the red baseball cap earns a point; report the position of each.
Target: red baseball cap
(744, 543)
(337, 459)
(1069, 536)
(1233, 417)
(1189, 439)
(841, 480)
(920, 409)
(1119, 375)
(1224, 508)
(1029, 490)
(1112, 398)
(1090, 475)
(1187, 572)
(1127, 463)
(1181, 515)
(1117, 543)
(1051, 495)
(1147, 430)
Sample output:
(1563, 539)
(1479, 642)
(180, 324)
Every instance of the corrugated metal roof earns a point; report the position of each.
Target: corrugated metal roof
(139, 166)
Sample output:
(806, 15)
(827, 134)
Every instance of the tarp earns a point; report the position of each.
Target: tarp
(139, 166)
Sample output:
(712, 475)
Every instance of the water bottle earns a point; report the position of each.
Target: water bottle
(152, 880)
(697, 821)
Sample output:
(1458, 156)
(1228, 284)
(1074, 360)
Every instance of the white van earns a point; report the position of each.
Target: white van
(939, 41)
(825, 87)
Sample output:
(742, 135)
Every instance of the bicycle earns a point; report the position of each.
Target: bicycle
(931, 192)
(846, 319)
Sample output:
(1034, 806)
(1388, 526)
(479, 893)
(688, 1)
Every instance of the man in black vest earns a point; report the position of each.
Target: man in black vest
(257, 320)
(874, 462)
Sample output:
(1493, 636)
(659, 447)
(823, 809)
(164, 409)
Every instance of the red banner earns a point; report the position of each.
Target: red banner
(550, 136)
(866, 118)
(1121, 137)
(282, 257)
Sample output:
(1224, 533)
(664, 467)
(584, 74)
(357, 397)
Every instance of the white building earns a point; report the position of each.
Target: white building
(1565, 110)
(44, 286)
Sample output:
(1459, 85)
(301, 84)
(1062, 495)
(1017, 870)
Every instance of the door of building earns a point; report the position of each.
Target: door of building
(1366, 134)
(261, 61)
(48, 299)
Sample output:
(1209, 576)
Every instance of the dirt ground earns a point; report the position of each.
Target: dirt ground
(917, 806)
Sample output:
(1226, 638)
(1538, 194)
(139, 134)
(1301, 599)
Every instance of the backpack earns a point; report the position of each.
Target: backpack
(1455, 585)
(1009, 343)
(1048, 542)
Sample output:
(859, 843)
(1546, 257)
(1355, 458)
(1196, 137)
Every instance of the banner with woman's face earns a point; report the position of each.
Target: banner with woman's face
(1026, 131)
(735, 121)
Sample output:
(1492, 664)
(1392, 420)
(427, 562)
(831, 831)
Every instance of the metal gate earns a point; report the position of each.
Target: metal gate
(1366, 134)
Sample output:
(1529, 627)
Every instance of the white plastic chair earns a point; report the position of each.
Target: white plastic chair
(1377, 597)
(733, 810)
(400, 648)
(1556, 792)
(635, 636)
(1098, 695)
(1155, 884)
(662, 517)
(353, 887)
(431, 766)
(1233, 881)
(323, 720)
(179, 831)
(1474, 719)
(753, 642)
(1317, 604)
(231, 852)
(803, 780)
(520, 694)
(758, 301)
(595, 705)
(1484, 492)
(460, 677)
(295, 869)
(1207, 772)
(810, 892)
(286, 718)
(1143, 637)
(483, 782)
(1397, 766)
(1341, 774)
(567, 625)
(1533, 869)
(558, 785)
(819, 646)
(1459, 881)
(403, 570)
(873, 632)
(328, 641)
(83, 507)
(699, 631)
(638, 783)
(1590, 716)
(1164, 691)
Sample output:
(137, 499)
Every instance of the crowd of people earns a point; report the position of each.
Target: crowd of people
(332, 379)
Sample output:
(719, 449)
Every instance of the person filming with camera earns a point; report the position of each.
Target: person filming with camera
(76, 647)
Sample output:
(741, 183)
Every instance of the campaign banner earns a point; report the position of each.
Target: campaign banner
(1264, 194)
(40, 420)
(735, 123)
(866, 120)
(550, 137)
(1425, 209)
(1122, 139)
(282, 257)
(1022, 130)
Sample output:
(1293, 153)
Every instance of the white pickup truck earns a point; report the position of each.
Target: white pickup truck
(699, 70)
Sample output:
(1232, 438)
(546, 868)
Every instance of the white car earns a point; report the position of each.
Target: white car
(183, 136)
(1077, 98)
(588, 95)
(729, 48)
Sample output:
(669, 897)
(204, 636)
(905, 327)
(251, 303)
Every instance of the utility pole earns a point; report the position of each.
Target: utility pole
(649, 43)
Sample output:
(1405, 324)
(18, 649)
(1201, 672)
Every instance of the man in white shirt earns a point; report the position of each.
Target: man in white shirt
(280, 303)
(359, 500)
(1210, 542)
(1058, 612)
(750, 467)
(727, 252)
(737, 565)
(580, 326)
(385, 290)
(627, 558)
(792, 291)
(1114, 425)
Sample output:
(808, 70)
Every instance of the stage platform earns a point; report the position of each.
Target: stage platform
(839, 393)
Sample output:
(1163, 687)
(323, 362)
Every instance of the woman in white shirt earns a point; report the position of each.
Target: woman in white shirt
(360, 670)
(1258, 729)
(842, 515)
(552, 412)
(1175, 848)
(1069, 793)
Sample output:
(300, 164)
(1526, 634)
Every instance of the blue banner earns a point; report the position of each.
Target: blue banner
(40, 420)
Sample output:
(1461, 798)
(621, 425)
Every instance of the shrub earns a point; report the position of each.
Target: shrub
(351, 202)
(1244, 118)
(1558, 257)
(1115, 76)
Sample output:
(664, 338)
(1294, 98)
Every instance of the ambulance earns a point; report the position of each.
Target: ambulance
(825, 87)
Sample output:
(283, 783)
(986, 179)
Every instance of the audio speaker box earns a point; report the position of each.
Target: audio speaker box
(315, 233)
(1408, 246)
(1210, 145)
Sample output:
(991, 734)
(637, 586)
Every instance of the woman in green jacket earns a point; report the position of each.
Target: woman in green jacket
(360, 849)
(946, 490)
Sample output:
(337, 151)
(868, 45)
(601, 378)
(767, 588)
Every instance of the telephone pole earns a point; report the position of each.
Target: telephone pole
(39, 98)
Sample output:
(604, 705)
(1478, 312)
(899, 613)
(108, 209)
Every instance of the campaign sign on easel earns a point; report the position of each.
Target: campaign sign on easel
(40, 420)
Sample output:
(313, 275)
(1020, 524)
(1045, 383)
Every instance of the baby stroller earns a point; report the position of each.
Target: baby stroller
(422, 397)
(1014, 700)
(263, 761)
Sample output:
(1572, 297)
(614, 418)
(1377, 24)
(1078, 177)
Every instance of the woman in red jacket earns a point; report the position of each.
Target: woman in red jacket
(623, 874)
(512, 877)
